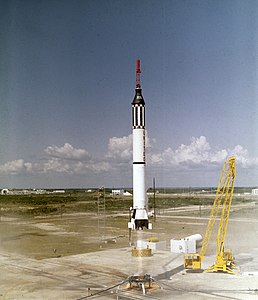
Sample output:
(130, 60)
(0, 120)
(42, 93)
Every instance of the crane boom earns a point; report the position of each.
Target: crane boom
(223, 197)
(227, 204)
(224, 259)
(221, 190)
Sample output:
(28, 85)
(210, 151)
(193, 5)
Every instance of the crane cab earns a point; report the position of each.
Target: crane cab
(192, 261)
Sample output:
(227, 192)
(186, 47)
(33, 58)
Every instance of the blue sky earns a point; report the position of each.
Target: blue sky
(67, 79)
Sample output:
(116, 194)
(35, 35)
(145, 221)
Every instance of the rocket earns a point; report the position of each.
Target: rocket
(139, 211)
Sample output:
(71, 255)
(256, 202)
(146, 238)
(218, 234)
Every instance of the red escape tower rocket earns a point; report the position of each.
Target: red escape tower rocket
(139, 218)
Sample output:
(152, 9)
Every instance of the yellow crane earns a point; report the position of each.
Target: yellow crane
(224, 260)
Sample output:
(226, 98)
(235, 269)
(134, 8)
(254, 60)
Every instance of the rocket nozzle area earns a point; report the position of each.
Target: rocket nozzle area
(139, 220)
(141, 224)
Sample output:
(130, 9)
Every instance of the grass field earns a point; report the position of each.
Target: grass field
(81, 201)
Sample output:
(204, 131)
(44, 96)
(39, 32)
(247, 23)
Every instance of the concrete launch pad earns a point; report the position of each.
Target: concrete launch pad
(78, 276)
(104, 274)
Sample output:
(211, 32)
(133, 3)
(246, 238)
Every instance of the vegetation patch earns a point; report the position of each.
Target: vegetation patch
(85, 202)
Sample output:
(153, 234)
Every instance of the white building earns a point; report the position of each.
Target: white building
(117, 192)
(255, 192)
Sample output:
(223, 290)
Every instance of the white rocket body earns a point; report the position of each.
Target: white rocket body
(139, 218)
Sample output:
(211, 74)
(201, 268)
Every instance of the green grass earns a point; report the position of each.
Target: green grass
(72, 202)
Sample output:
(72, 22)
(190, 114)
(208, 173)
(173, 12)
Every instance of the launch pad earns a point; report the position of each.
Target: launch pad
(105, 273)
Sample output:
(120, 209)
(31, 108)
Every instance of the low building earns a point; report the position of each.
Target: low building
(255, 192)
(117, 192)
(126, 193)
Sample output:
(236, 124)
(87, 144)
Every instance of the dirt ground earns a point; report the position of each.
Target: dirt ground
(77, 255)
